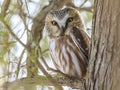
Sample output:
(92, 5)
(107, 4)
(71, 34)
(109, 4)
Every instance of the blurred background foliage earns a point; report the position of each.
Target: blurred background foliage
(23, 38)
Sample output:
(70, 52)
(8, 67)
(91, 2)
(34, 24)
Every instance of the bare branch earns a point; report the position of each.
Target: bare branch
(88, 9)
(83, 3)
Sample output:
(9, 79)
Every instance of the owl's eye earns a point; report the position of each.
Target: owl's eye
(54, 22)
(70, 19)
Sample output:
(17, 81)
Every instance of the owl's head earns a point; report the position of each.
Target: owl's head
(60, 22)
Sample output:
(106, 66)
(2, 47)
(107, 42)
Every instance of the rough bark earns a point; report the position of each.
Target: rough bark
(104, 66)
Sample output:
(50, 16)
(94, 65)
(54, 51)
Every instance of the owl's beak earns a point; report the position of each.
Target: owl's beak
(63, 29)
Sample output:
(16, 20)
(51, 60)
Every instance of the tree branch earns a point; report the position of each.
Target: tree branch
(43, 81)
(88, 9)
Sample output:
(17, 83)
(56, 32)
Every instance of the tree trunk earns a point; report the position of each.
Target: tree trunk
(104, 66)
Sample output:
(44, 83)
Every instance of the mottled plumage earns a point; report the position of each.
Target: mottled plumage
(68, 41)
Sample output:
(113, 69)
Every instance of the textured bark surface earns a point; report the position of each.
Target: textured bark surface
(104, 68)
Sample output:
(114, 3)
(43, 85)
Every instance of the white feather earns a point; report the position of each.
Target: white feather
(75, 61)
(66, 58)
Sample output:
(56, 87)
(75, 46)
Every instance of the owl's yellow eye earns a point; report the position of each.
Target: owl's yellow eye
(70, 19)
(54, 22)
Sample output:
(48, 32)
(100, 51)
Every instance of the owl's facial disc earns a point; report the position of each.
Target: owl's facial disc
(62, 24)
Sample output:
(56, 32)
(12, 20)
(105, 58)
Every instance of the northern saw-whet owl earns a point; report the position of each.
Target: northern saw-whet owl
(68, 41)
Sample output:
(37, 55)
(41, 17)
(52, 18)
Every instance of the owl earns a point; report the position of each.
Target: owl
(68, 41)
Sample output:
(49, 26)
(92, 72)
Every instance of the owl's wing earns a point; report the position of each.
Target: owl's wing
(82, 41)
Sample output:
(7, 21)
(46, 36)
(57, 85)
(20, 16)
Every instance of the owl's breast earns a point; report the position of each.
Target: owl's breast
(65, 55)
(57, 49)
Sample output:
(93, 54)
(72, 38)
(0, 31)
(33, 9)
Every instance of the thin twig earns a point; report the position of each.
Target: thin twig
(22, 34)
(27, 7)
(19, 63)
(88, 9)
(83, 3)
